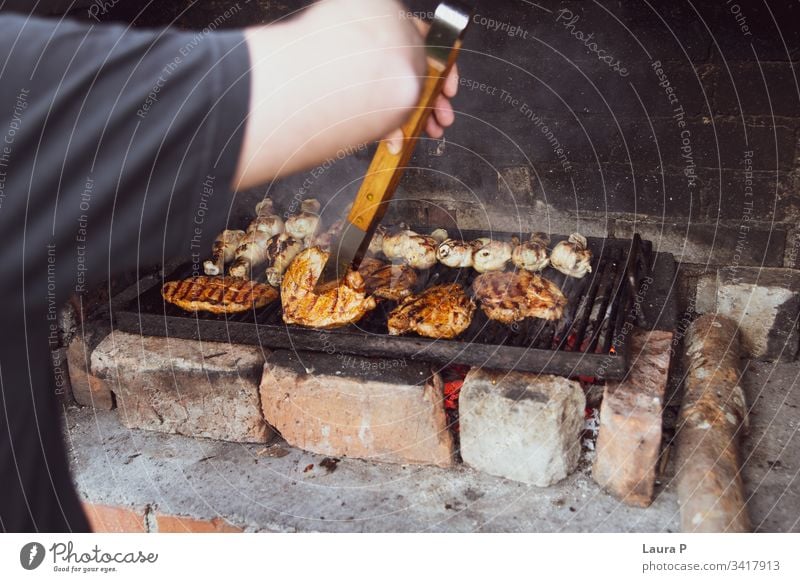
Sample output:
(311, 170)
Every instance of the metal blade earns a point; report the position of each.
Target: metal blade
(348, 249)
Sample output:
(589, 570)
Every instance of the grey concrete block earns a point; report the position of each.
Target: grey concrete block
(521, 426)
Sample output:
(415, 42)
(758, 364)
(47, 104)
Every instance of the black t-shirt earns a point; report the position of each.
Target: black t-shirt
(117, 149)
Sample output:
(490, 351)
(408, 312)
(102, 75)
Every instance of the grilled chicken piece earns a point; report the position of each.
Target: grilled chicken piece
(441, 311)
(571, 256)
(218, 294)
(492, 256)
(271, 224)
(310, 205)
(281, 251)
(454, 253)
(337, 307)
(510, 297)
(416, 250)
(251, 252)
(222, 251)
(531, 255)
(387, 281)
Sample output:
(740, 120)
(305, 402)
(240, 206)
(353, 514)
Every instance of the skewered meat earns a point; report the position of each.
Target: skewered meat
(479, 242)
(281, 251)
(441, 311)
(218, 294)
(492, 256)
(416, 250)
(251, 252)
(531, 255)
(509, 297)
(271, 224)
(571, 256)
(376, 243)
(387, 281)
(439, 235)
(336, 307)
(223, 251)
(454, 253)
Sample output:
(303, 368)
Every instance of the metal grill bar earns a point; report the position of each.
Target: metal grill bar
(599, 306)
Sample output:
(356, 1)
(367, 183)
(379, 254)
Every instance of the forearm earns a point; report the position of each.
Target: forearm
(344, 73)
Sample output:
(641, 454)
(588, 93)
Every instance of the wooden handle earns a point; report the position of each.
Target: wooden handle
(386, 168)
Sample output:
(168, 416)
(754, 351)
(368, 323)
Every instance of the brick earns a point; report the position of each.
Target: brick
(181, 524)
(87, 389)
(382, 410)
(188, 387)
(520, 426)
(114, 518)
(765, 303)
(629, 439)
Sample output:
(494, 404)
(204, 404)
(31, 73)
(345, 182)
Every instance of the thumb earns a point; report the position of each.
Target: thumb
(394, 141)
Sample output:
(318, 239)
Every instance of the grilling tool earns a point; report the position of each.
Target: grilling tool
(442, 46)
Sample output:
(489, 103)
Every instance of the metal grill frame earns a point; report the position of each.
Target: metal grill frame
(133, 311)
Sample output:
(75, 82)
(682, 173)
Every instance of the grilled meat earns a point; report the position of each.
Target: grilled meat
(222, 251)
(218, 294)
(531, 255)
(492, 256)
(454, 253)
(510, 297)
(251, 252)
(387, 281)
(337, 307)
(571, 256)
(281, 251)
(310, 205)
(441, 311)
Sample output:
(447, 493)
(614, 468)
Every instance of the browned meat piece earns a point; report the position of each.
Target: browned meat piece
(387, 281)
(441, 311)
(218, 294)
(509, 297)
(337, 307)
(223, 251)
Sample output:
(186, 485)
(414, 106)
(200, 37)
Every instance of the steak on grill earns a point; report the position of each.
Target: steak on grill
(441, 311)
(512, 296)
(218, 294)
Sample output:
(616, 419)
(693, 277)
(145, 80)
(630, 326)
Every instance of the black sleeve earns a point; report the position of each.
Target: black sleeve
(117, 149)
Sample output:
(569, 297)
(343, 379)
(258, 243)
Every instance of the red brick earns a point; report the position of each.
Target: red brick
(114, 518)
(629, 439)
(382, 410)
(181, 524)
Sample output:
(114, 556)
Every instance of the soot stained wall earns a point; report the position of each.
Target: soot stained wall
(678, 119)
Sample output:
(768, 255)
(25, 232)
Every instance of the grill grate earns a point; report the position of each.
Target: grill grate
(588, 340)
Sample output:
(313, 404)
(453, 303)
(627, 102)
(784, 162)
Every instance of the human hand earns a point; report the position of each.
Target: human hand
(443, 115)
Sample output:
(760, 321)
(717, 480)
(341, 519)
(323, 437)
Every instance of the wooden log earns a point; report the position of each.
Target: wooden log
(712, 420)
